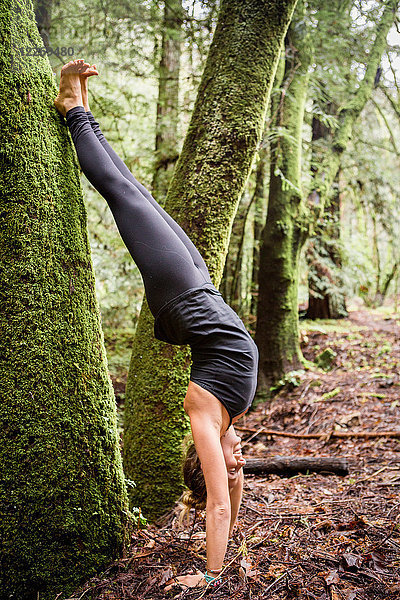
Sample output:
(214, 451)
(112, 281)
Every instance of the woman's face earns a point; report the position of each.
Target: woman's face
(232, 450)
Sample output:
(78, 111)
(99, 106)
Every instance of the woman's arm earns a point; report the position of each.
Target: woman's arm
(236, 497)
(206, 436)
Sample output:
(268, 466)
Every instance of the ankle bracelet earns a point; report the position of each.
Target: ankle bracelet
(213, 581)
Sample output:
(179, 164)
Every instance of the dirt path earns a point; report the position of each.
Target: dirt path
(308, 536)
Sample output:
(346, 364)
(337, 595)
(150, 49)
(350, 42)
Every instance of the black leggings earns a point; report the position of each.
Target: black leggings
(168, 261)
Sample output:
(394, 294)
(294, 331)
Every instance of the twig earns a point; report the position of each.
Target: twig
(279, 578)
(257, 432)
(373, 475)
(387, 536)
(309, 436)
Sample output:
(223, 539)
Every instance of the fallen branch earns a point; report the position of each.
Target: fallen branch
(288, 465)
(328, 434)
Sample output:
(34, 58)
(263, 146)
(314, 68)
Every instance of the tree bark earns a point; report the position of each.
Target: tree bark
(277, 335)
(260, 212)
(289, 465)
(63, 502)
(277, 324)
(168, 99)
(208, 180)
(236, 282)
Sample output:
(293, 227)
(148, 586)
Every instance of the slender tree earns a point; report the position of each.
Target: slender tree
(326, 299)
(168, 98)
(260, 212)
(209, 177)
(277, 323)
(286, 226)
(63, 503)
(322, 185)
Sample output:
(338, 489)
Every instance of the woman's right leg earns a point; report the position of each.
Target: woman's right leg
(163, 259)
(123, 169)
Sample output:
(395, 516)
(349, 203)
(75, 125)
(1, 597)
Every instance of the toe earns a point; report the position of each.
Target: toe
(66, 66)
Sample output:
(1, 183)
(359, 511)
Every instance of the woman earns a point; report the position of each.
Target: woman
(187, 308)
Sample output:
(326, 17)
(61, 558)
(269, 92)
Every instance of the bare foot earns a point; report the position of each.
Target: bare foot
(70, 94)
(186, 581)
(84, 76)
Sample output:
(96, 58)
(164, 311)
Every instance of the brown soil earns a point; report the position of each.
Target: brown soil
(319, 537)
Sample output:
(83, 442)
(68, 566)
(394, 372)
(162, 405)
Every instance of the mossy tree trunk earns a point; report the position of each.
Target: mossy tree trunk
(326, 298)
(260, 212)
(241, 265)
(277, 317)
(285, 230)
(63, 502)
(208, 180)
(168, 99)
(233, 284)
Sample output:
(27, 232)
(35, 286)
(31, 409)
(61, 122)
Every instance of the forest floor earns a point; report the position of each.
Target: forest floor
(307, 536)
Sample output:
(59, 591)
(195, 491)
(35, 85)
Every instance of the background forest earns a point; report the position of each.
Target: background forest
(125, 41)
(302, 241)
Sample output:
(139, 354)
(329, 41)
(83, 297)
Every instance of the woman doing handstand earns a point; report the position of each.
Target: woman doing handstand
(188, 309)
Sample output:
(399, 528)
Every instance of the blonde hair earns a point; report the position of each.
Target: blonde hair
(196, 494)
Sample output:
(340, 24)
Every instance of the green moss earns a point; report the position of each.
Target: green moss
(285, 231)
(210, 175)
(62, 497)
(324, 360)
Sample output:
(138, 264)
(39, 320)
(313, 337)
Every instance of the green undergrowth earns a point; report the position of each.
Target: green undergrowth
(330, 326)
(387, 311)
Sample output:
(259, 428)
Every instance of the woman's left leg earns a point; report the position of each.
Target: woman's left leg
(123, 169)
(164, 261)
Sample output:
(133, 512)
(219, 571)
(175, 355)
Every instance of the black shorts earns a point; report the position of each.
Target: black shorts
(225, 357)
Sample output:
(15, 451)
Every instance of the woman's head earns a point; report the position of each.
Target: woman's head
(196, 494)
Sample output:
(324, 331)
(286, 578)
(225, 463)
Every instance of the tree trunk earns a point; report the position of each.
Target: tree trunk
(329, 165)
(277, 335)
(168, 98)
(281, 273)
(63, 502)
(326, 298)
(260, 211)
(236, 280)
(208, 180)
(289, 465)
(230, 282)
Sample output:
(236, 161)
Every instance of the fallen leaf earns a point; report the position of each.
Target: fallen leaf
(350, 562)
(332, 577)
(167, 577)
(351, 525)
(376, 561)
